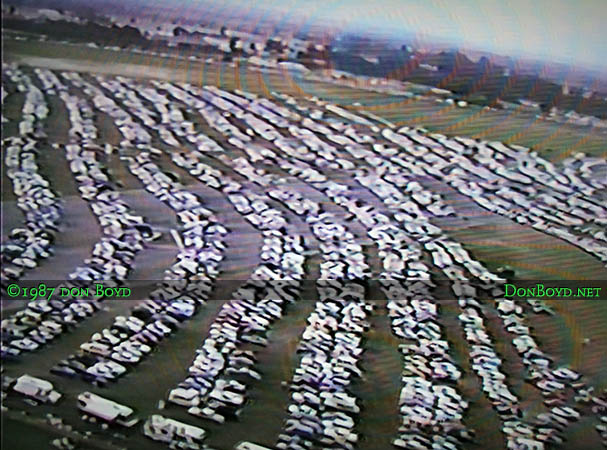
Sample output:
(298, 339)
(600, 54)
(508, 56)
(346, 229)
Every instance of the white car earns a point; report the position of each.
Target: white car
(96, 348)
(24, 344)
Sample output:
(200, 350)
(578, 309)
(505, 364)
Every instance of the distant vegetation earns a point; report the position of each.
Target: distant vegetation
(479, 82)
(483, 82)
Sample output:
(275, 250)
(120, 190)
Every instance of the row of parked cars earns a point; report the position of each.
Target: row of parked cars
(201, 234)
(494, 382)
(212, 391)
(217, 378)
(39, 323)
(41, 206)
(34, 110)
(124, 232)
(322, 412)
(445, 252)
(517, 183)
(109, 353)
(423, 363)
(123, 235)
(3, 94)
(311, 149)
(451, 406)
(599, 407)
(431, 407)
(342, 255)
(342, 258)
(485, 361)
(51, 84)
(553, 383)
(201, 251)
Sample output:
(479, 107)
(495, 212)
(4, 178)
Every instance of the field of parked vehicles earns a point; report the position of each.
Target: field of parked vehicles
(227, 189)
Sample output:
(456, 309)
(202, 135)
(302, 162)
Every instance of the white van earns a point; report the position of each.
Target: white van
(245, 445)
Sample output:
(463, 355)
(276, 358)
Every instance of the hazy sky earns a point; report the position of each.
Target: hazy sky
(572, 31)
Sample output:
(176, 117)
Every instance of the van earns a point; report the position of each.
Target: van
(246, 445)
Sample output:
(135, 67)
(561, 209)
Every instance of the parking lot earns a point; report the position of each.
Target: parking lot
(110, 177)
